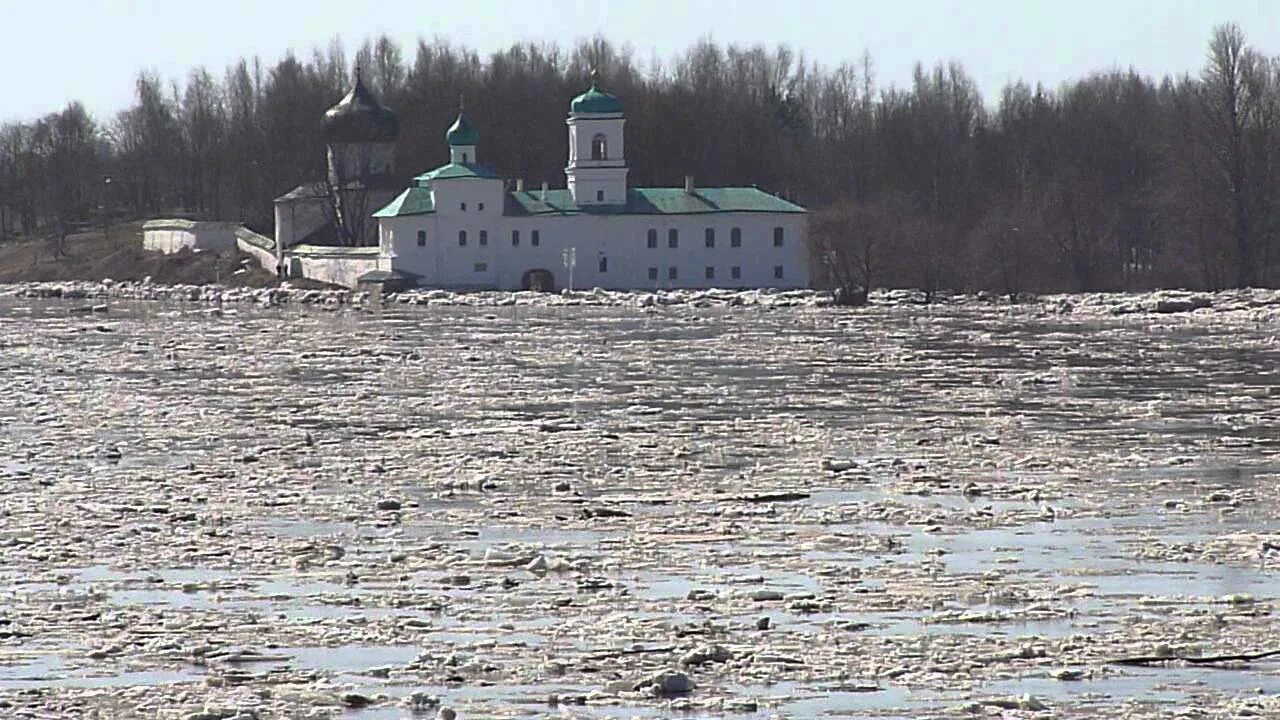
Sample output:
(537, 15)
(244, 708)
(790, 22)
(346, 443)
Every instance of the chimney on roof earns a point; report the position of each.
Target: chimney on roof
(688, 184)
(544, 191)
(519, 184)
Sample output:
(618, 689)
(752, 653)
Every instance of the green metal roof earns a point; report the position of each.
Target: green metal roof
(461, 132)
(655, 201)
(640, 201)
(595, 101)
(456, 171)
(417, 199)
(414, 201)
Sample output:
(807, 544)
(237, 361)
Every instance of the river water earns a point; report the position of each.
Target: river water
(529, 510)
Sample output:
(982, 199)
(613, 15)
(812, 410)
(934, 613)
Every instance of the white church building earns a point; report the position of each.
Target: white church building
(460, 226)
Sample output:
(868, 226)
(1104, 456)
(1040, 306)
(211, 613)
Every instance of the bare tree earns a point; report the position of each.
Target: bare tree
(346, 196)
(850, 242)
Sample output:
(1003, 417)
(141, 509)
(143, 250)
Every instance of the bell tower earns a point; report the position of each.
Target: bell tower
(597, 169)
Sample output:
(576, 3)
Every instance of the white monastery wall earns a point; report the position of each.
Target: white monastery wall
(612, 251)
(333, 265)
(258, 247)
(297, 219)
(172, 236)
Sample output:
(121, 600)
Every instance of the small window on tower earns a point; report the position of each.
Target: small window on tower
(599, 147)
(463, 206)
(422, 238)
(480, 207)
(604, 264)
(465, 159)
(599, 196)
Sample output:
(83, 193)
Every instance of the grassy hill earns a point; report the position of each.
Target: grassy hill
(119, 256)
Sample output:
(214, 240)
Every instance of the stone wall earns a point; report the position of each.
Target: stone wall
(170, 236)
(334, 265)
(296, 218)
(612, 251)
(258, 247)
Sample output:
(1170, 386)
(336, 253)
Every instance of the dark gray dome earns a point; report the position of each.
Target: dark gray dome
(359, 117)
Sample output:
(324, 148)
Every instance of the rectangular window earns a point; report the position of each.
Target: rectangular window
(777, 237)
(711, 237)
(534, 239)
(480, 207)
(481, 267)
(484, 237)
(464, 207)
(515, 238)
(735, 237)
(653, 273)
(462, 238)
(599, 196)
(735, 272)
(604, 264)
(777, 272)
(422, 238)
(673, 238)
(671, 273)
(653, 238)
(711, 273)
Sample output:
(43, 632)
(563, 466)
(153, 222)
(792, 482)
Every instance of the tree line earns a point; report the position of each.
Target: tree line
(1113, 181)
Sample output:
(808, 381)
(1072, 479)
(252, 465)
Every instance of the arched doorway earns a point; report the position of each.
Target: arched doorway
(538, 280)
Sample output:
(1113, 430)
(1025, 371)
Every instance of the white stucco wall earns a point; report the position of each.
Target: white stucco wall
(597, 180)
(171, 236)
(258, 247)
(451, 195)
(350, 161)
(298, 218)
(336, 266)
(622, 240)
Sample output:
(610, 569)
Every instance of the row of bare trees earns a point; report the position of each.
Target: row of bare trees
(1113, 181)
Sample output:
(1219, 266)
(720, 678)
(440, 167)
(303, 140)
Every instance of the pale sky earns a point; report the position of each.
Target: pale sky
(55, 51)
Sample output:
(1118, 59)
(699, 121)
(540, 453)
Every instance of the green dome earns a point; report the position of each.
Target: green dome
(461, 132)
(594, 101)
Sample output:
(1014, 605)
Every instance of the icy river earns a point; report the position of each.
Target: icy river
(901, 511)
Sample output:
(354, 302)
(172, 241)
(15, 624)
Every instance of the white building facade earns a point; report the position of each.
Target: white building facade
(460, 227)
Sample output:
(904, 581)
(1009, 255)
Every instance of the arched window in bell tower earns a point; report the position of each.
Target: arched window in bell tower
(599, 147)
